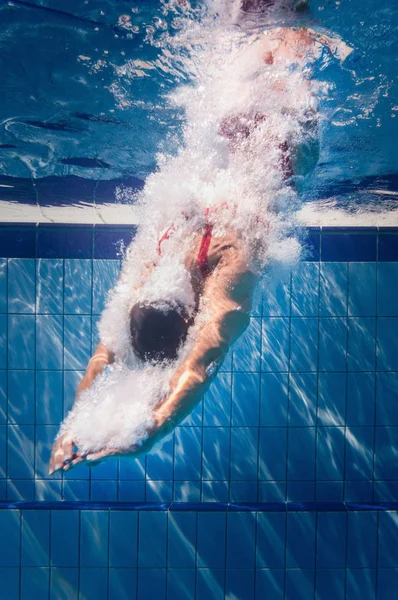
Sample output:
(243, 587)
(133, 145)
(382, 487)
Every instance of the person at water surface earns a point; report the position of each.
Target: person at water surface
(222, 267)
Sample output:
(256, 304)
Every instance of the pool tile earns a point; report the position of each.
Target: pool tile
(332, 398)
(78, 286)
(332, 344)
(105, 276)
(359, 453)
(188, 453)
(94, 540)
(159, 463)
(21, 286)
(64, 583)
(270, 584)
(18, 242)
(270, 540)
(65, 526)
(20, 453)
(159, 491)
(71, 381)
(49, 342)
(276, 296)
(361, 344)
(77, 342)
(150, 555)
(211, 540)
(330, 584)
(21, 397)
(181, 540)
(274, 344)
(106, 470)
(304, 345)
(217, 401)
(360, 399)
(3, 398)
(330, 454)
(45, 435)
(385, 491)
(300, 491)
(215, 491)
(187, 491)
(110, 244)
(74, 489)
(302, 399)
(301, 442)
(388, 532)
(386, 399)
(103, 491)
(21, 342)
(274, 399)
(3, 341)
(333, 294)
(3, 285)
(9, 577)
(362, 540)
(20, 489)
(131, 491)
(35, 538)
(132, 469)
(272, 453)
(122, 584)
(123, 539)
(387, 355)
(49, 397)
(216, 453)
(93, 583)
(329, 491)
(361, 584)
(388, 247)
(300, 540)
(358, 491)
(35, 583)
(387, 582)
(245, 399)
(241, 527)
(210, 584)
(305, 290)
(244, 453)
(243, 491)
(50, 286)
(239, 584)
(64, 242)
(48, 491)
(387, 287)
(362, 289)
(246, 351)
(272, 491)
(349, 247)
(10, 523)
(300, 584)
(331, 540)
(386, 466)
(180, 584)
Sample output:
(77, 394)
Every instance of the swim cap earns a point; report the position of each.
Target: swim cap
(157, 332)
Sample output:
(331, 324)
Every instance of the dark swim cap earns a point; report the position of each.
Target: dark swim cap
(157, 332)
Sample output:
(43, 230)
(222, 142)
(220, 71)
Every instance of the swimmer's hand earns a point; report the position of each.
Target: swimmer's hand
(63, 453)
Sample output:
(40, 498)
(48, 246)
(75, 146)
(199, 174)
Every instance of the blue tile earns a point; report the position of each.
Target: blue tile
(216, 453)
(299, 584)
(105, 275)
(301, 454)
(122, 584)
(387, 582)
(348, 247)
(49, 338)
(123, 539)
(333, 294)
(305, 290)
(210, 584)
(276, 298)
(272, 491)
(312, 242)
(331, 540)
(45, 435)
(21, 286)
(386, 399)
(385, 491)
(361, 584)
(332, 398)
(64, 242)
(332, 344)
(304, 344)
(78, 286)
(226, 366)
(106, 470)
(359, 453)
(270, 544)
(76, 489)
(215, 491)
(131, 491)
(388, 532)
(330, 584)
(270, 584)
(275, 344)
(159, 463)
(300, 540)
(65, 527)
(358, 491)
(3, 451)
(93, 584)
(360, 399)
(20, 489)
(274, 399)
(3, 341)
(150, 554)
(103, 491)
(64, 583)
(386, 466)
(195, 417)
(211, 539)
(21, 342)
(243, 491)
(10, 531)
(35, 583)
(21, 397)
(362, 540)
(48, 491)
(9, 578)
(95, 336)
(180, 584)
(50, 286)
(111, 244)
(272, 453)
(388, 247)
(240, 584)
(132, 469)
(217, 401)
(159, 491)
(362, 289)
(245, 399)
(300, 491)
(21, 451)
(187, 491)
(35, 538)
(151, 584)
(94, 538)
(302, 399)
(18, 242)
(246, 353)
(244, 453)
(188, 453)
(361, 344)
(387, 355)
(241, 540)
(329, 491)
(71, 381)
(77, 341)
(49, 397)
(3, 285)
(330, 453)
(181, 540)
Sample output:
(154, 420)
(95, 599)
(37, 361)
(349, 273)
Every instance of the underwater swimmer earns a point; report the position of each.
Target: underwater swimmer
(223, 283)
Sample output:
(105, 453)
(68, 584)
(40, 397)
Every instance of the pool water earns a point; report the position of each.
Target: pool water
(283, 482)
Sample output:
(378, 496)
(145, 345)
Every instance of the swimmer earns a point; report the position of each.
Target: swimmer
(223, 279)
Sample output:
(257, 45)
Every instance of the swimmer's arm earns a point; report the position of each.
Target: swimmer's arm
(335, 46)
(101, 357)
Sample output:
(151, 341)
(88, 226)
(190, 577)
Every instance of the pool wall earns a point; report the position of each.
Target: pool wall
(283, 482)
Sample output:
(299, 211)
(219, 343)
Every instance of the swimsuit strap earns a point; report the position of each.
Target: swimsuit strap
(203, 259)
(165, 236)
